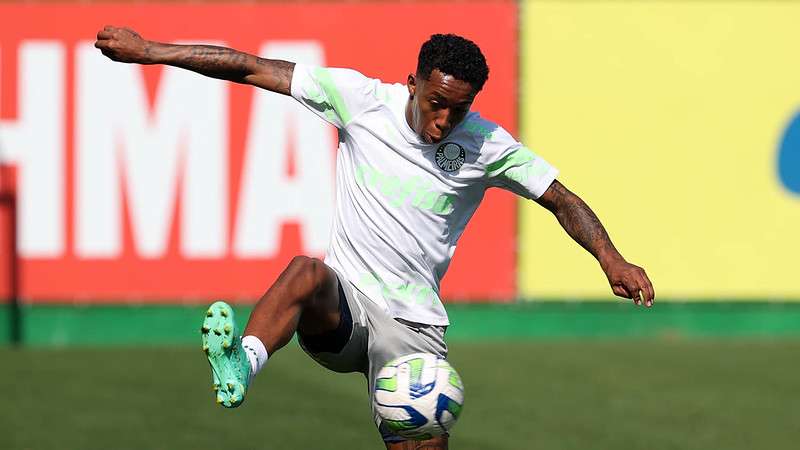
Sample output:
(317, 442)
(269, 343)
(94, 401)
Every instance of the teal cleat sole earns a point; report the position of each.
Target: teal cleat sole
(230, 369)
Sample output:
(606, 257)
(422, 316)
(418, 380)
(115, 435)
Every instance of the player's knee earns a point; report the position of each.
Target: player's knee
(299, 263)
(307, 276)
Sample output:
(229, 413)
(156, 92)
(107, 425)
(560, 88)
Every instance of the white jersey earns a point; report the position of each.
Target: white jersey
(402, 204)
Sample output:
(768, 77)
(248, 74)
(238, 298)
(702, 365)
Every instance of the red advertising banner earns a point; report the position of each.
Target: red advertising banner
(156, 184)
(7, 235)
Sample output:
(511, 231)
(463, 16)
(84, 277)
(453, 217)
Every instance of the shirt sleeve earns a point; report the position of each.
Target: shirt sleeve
(517, 168)
(336, 95)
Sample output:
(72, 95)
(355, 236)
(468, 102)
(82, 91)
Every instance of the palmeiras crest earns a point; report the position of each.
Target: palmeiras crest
(450, 156)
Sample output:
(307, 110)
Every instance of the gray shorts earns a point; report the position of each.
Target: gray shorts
(377, 338)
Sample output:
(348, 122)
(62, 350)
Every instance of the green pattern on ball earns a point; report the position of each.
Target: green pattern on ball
(454, 379)
(416, 366)
(386, 384)
(454, 408)
(399, 425)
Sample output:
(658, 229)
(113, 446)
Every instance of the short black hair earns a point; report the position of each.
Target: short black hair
(455, 56)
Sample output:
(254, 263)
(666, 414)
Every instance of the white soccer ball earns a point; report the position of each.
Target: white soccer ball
(418, 396)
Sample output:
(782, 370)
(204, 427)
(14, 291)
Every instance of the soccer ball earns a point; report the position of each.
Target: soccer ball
(418, 396)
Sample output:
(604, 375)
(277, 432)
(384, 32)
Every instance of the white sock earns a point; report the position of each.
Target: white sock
(256, 354)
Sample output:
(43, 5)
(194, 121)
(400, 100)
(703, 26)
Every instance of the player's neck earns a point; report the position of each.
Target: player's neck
(410, 116)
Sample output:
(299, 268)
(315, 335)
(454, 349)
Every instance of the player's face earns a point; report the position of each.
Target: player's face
(437, 104)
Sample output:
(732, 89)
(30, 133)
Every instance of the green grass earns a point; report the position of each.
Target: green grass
(554, 395)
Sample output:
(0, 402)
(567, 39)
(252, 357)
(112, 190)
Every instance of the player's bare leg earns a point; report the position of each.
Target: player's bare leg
(437, 443)
(304, 298)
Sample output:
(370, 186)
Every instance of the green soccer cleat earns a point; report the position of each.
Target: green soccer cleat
(230, 369)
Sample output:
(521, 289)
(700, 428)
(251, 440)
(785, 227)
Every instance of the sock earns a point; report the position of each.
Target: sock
(256, 354)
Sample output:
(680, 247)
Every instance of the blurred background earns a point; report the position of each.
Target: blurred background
(131, 197)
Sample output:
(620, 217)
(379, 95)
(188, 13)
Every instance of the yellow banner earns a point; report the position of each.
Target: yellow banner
(678, 123)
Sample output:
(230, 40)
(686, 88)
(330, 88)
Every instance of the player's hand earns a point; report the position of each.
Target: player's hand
(630, 281)
(123, 45)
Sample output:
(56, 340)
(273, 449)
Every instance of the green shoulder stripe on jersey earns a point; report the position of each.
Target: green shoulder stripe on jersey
(475, 127)
(518, 157)
(332, 94)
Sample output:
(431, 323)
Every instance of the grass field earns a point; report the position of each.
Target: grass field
(554, 395)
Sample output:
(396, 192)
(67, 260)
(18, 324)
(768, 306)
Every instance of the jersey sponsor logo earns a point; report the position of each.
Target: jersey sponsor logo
(789, 157)
(414, 191)
(403, 292)
(450, 156)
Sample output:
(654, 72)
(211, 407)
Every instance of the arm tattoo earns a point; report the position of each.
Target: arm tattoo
(578, 220)
(229, 64)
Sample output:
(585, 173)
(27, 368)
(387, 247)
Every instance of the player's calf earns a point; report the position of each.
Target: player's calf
(304, 297)
(437, 443)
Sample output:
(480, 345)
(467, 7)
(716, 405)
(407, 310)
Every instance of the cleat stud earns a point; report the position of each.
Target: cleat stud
(223, 312)
(226, 344)
(215, 388)
(234, 399)
(228, 328)
(209, 313)
(205, 348)
(204, 329)
(219, 399)
(230, 386)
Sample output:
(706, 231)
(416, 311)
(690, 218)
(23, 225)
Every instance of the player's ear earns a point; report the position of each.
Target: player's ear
(412, 85)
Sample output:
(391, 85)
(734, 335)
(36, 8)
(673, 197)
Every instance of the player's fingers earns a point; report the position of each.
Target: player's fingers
(633, 287)
(131, 31)
(103, 34)
(648, 289)
(109, 28)
(649, 286)
(643, 286)
(620, 291)
(103, 44)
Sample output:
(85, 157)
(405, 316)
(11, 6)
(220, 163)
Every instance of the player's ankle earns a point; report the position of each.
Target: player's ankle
(256, 353)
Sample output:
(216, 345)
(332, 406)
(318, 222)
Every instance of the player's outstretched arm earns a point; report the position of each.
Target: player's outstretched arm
(575, 216)
(125, 45)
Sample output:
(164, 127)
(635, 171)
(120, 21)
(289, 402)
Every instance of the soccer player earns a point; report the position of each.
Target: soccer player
(412, 167)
